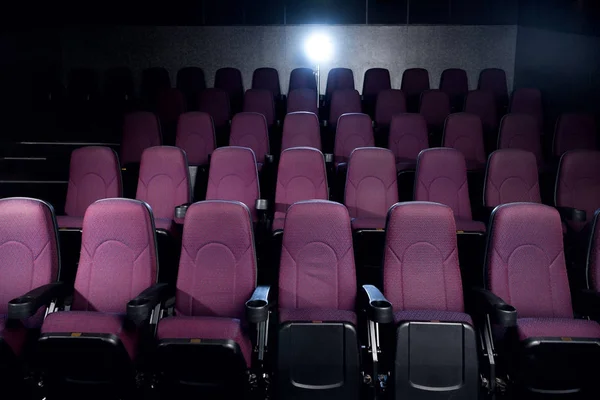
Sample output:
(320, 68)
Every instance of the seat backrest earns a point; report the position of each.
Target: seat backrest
(339, 79)
(415, 81)
(28, 247)
(94, 174)
(302, 99)
(454, 82)
(302, 78)
(215, 102)
(301, 176)
(118, 256)
(82, 82)
(420, 267)
(154, 80)
(260, 101)
(191, 80)
(389, 103)
(170, 105)
(441, 177)
(267, 79)
(528, 101)
(494, 80)
(483, 104)
(140, 131)
(230, 80)
(217, 268)
(593, 256)
(511, 177)
(249, 129)
(118, 83)
(301, 129)
(574, 132)
(371, 183)
(525, 260)
(463, 132)
(164, 180)
(435, 107)
(408, 136)
(353, 131)
(520, 131)
(343, 102)
(375, 81)
(317, 261)
(196, 136)
(578, 181)
(233, 176)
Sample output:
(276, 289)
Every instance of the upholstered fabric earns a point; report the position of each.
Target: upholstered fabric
(370, 223)
(65, 221)
(164, 181)
(435, 107)
(302, 99)
(339, 79)
(94, 174)
(317, 315)
(141, 130)
(520, 131)
(432, 316)
(170, 105)
(190, 80)
(375, 81)
(483, 104)
(494, 80)
(390, 102)
(317, 261)
(249, 129)
(463, 132)
(528, 101)
(215, 102)
(469, 225)
(303, 78)
(154, 80)
(454, 82)
(594, 255)
(574, 132)
(118, 255)
(343, 101)
(557, 327)
(301, 129)
(196, 136)
(13, 333)
(408, 137)
(230, 80)
(353, 131)
(415, 81)
(260, 101)
(512, 176)
(233, 176)
(267, 79)
(526, 262)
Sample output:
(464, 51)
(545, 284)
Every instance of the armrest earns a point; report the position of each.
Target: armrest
(180, 211)
(257, 308)
(27, 305)
(379, 309)
(587, 302)
(269, 159)
(328, 158)
(140, 308)
(572, 214)
(501, 312)
(262, 205)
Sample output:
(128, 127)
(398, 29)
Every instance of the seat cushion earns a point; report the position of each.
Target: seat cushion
(305, 315)
(557, 327)
(278, 224)
(14, 336)
(65, 221)
(474, 165)
(165, 224)
(92, 322)
(467, 225)
(405, 164)
(368, 223)
(181, 327)
(431, 315)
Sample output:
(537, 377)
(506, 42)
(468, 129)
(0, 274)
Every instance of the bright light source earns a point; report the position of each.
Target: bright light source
(318, 47)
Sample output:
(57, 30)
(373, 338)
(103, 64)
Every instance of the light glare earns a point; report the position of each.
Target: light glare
(318, 47)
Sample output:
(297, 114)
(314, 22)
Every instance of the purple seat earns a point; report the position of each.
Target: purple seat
(511, 177)
(118, 84)
(464, 133)
(408, 136)
(260, 101)
(302, 99)
(389, 103)
(154, 80)
(528, 101)
(196, 136)
(170, 105)
(414, 82)
(303, 78)
(302, 176)
(526, 268)
(435, 107)
(375, 81)
(441, 177)
(230, 80)
(215, 102)
(455, 83)
(140, 131)
(164, 183)
(249, 129)
(343, 101)
(82, 84)
(494, 80)
(301, 129)
(574, 132)
(353, 130)
(191, 81)
(483, 104)
(317, 292)
(94, 174)
(267, 79)
(578, 185)
(233, 176)
(339, 79)
(593, 256)
(520, 131)
(371, 187)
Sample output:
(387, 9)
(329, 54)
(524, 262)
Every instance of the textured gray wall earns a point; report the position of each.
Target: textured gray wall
(357, 47)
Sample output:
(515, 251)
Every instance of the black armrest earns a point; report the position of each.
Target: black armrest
(27, 305)
(269, 159)
(379, 309)
(257, 308)
(572, 214)
(587, 302)
(488, 303)
(328, 158)
(180, 210)
(262, 205)
(140, 308)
